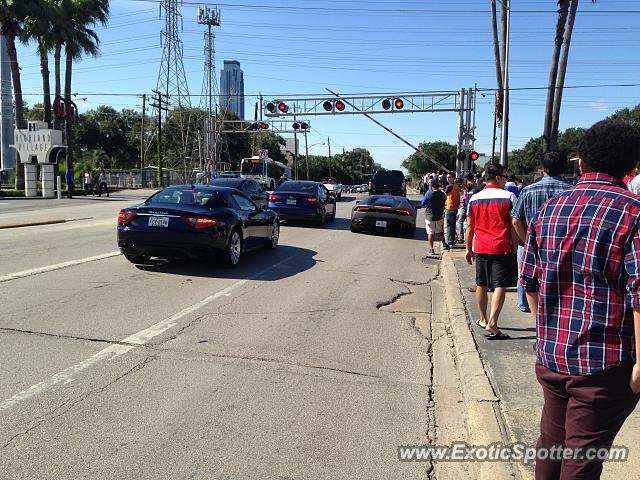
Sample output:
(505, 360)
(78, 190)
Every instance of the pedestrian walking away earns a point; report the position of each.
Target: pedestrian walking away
(102, 184)
(530, 202)
(492, 243)
(433, 203)
(581, 272)
(452, 190)
(70, 184)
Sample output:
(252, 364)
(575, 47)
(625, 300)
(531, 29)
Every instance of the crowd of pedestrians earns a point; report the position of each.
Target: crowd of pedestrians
(573, 251)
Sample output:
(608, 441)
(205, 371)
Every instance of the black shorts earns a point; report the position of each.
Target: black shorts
(496, 270)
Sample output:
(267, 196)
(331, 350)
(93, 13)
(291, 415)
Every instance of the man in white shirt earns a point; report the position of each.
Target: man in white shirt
(634, 186)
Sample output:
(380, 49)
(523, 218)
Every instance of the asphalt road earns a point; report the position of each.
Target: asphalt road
(283, 368)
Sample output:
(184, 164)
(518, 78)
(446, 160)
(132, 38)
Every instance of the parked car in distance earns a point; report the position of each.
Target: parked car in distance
(303, 200)
(228, 175)
(196, 222)
(250, 188)
(384, 213)
(388, 182)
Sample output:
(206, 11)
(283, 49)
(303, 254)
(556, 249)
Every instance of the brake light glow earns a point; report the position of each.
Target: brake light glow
(402, 211)
(126, 216)
(274, 198)
(311, 199)
(362, 209)
(199, 222)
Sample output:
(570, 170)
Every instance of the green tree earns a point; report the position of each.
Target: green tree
(272, 142)
(80, 40)
(628, 115)
(442, 152)
(526, 160)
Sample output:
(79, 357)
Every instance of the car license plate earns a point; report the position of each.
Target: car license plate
(158, 221)
(381, 223)
(291, 201)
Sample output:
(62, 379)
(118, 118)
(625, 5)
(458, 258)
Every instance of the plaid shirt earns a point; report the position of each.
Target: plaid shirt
(582, 254)
(533, 196)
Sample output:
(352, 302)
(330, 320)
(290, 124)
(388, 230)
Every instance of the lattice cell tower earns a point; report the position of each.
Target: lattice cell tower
(208, 100)
(172, 82)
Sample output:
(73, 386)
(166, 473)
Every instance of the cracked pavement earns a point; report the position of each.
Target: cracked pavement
(300, 373)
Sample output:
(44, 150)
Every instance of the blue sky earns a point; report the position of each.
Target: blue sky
(300, 48)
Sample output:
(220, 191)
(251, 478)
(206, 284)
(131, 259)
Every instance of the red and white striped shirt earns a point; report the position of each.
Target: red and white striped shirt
(490, 214)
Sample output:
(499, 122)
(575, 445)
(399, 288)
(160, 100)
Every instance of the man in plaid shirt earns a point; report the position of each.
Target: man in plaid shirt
(581, 272)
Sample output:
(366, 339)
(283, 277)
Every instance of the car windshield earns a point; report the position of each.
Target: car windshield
(302, 187)
(187, 196)
(385, 201)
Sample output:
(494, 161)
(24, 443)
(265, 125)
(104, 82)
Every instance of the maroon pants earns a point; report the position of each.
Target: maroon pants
(581, 411)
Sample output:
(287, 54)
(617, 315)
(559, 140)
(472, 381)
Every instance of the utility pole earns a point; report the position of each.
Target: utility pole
(144, 111)
(329, 144)
(160, 103)
(306, 147)
(295, 144)
(504, 131)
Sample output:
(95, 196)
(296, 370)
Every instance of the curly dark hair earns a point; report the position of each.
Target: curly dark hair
(554, 163)
(611, 147)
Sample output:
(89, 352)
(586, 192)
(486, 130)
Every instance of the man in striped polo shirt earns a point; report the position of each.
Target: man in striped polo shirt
(491, 241)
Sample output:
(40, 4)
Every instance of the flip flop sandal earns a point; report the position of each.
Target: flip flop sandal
(480, 325)
(496, 336)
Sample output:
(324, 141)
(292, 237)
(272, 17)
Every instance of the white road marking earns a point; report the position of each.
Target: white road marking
(135, 340)
(57, 266)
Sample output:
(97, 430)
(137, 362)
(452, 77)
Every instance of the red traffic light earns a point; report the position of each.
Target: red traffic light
(264, 126)
(398, 104)
(283, 108)
(340, 105)
(210, 162)
(474, 156)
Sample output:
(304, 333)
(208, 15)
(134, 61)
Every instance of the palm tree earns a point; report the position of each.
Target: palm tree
(80, 40)
(567, 10)
(13, 14)
(39, 27)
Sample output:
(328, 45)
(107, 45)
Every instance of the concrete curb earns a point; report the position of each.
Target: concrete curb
(32, 224)
(481, 403)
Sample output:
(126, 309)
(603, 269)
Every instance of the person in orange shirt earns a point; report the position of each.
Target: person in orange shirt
(451, 210)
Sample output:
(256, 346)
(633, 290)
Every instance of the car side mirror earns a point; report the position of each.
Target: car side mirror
(357, 201)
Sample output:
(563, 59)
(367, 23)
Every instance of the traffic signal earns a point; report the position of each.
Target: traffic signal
(264, 126)
(462, 156)
(328, 105)
(271, 107)
(210, 162)
(283, 107)
(300, 126)
(398, 104)
(339, 105)
(474, 156)
(386, 104)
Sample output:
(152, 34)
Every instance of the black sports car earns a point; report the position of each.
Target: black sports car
(196, 222)
(250, 188)
(384, 213)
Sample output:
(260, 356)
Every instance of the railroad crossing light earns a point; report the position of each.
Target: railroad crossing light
(254, 126)
(328, 105)
(462, 156)
(271, 107)
(283, 107)
(474, 156)
(264, 126)
(386, 104)
(300, 126)
(296, 126)
(398, 104)
(210, 162)
(339, 105)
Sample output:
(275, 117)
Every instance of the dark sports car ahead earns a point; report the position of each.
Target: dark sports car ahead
(303, 200)
(384, 213)
(196, 222)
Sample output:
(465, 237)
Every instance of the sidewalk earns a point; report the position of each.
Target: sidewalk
(510, 363)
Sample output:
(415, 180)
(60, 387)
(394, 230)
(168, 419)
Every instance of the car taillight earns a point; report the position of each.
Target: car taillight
(370, 184)
(274, 198)
(402, 211)
(362, 209)
(199, 222)
(125, 216)
(311, 200)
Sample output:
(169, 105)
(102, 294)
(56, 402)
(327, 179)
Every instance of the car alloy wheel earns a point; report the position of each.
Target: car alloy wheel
(233, 251)
(322, 218)
(275, 236)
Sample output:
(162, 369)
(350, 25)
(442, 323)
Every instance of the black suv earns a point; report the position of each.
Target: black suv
(390, 182)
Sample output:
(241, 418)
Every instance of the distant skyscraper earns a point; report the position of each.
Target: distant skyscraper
(232, 88)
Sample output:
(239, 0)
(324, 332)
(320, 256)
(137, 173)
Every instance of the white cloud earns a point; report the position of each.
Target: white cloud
(600, 106)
